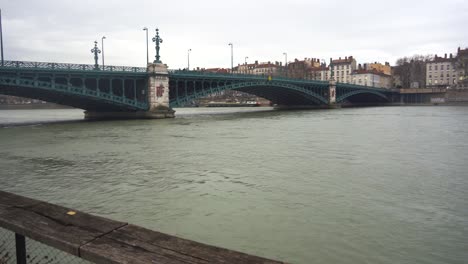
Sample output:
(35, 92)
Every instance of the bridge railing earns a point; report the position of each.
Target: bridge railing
(53, 66)
(242, 76)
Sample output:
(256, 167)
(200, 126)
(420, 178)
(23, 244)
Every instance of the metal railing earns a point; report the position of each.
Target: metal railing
(53, 66)
(243, 76)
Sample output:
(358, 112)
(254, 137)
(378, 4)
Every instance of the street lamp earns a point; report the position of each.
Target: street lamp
(157, 40)
(246, 64)
(188, 59)
(147, 54)
(1, 34)
(96, 51)
(286, 62)
(102, 45)
(232, 56)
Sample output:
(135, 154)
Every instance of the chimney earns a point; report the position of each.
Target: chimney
(339, 58)
(451, 56)
(331, 60)
(350, 57)
(458, 49)
(359, 66)
(445, 55)
(256, 62)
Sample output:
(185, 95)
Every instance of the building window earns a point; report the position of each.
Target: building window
(435, 81)
(441, 67)
(435, 68)
(430, 67)
(430, 76)
(430, 81)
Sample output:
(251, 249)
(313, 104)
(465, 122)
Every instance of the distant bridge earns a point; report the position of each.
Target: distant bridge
(137, 89)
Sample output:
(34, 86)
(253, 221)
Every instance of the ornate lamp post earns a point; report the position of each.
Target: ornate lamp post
(232, 57)
(147, 54)
(1, 35)
(188, 59)
(157, 40)
(102, 46)
(245, 67)
(285, 63)
(332, 74)
(96, 51)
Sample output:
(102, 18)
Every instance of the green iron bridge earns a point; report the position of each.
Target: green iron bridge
(126, 89)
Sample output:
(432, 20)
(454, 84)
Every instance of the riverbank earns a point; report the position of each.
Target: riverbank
(32, 106)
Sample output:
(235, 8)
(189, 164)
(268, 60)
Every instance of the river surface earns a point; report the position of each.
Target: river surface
(362, 185)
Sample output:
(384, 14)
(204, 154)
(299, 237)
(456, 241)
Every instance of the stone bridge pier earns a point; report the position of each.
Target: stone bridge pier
(157, 93)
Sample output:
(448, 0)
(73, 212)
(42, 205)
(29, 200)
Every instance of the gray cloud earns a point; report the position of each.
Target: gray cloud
(64, 31)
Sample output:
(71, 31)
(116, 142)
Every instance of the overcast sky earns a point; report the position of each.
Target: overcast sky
(64, 30)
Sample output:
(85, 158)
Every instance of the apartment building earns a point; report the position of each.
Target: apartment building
(441, 71)
(342, 69)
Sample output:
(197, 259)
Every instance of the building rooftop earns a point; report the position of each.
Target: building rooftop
(446, 58)
(346, 60)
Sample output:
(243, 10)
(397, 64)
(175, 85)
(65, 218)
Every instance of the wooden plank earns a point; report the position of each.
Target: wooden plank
(12, 200)
(154, 247)
(106, 250)
(51, 225)
(103, 240)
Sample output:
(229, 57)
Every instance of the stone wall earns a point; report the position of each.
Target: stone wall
(457, 95)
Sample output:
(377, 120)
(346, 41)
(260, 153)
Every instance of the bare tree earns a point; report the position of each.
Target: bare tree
(461, 65)
(412, 70)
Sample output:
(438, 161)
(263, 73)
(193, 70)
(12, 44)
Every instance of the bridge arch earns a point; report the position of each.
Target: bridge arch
(266, 89)
(351, 94)
(67, 94)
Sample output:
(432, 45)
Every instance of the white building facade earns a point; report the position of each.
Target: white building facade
(441, 72)
(343, 69)
(371, 78)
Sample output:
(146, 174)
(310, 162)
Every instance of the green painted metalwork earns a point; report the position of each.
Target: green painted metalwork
(109, 98)
(88, 86)
(157, 40)
(113, 85)
(96, 51)
(69, 67)
(356, 92)
(178, 102)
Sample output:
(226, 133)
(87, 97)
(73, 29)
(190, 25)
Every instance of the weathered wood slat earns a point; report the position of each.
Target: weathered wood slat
(50, 224)
(102, 240)
(146, 240)
(13, 200)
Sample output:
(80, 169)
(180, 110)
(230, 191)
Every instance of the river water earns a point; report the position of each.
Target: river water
(362, 185)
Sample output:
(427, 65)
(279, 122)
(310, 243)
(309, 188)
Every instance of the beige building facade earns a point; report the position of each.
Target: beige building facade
(343, 68)
(441, 72)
